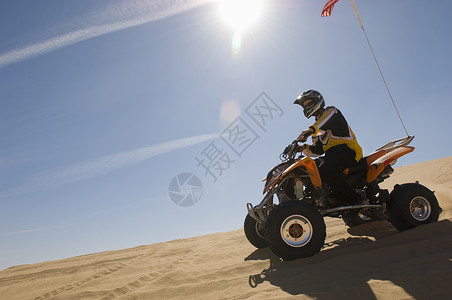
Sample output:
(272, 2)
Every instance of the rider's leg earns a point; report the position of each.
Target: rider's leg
(336, 160)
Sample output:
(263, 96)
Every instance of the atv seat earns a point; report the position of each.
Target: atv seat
(361, 166)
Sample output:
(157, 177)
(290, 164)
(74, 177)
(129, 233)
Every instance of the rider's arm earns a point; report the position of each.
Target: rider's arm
(322, 122)
(313, 150)
(305, 134)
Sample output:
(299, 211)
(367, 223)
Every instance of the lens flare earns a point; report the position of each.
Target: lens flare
(236, 42)
(230, 110)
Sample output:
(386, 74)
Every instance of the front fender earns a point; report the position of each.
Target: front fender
(311, 168)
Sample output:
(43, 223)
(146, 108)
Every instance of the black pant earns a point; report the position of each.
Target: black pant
(336, 160)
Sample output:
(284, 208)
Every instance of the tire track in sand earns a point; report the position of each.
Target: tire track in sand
(179, 257)
(129, 287)
(446, 173)
(107, 271)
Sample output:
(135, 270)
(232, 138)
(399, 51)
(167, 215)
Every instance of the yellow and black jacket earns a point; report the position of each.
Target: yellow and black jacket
(331, 129)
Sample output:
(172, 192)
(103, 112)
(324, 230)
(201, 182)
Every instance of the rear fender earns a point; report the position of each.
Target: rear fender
(378, 165)
(374, 156)
(311, 168)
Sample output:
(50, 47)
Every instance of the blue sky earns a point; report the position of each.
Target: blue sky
(103, 103)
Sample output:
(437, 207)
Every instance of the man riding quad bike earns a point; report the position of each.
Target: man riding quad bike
(295, 228)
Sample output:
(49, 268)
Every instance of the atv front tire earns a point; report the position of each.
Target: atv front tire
(255, 233)
(295, 230)
(411, 205)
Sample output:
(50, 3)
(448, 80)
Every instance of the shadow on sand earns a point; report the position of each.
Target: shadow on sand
(376, 252)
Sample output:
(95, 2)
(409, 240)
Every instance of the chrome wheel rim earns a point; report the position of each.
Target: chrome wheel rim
(420, 208)
(364, 217)
(296, 231)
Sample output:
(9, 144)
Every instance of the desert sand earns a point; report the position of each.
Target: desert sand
(372, 261)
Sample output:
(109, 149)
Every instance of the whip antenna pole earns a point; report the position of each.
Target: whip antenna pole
(379, 69)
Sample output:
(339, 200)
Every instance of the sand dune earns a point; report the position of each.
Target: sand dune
(371, 261)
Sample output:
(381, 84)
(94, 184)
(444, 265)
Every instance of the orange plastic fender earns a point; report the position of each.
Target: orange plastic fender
(374, 156)
(378, 165)
(310, 167)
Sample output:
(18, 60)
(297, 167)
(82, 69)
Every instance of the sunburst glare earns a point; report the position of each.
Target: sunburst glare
(240, 14)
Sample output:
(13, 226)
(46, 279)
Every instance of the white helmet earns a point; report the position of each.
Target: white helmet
(316, 97)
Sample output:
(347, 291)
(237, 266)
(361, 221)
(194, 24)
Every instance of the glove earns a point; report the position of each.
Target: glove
(287, 149)
(301, 148)
(304, 135)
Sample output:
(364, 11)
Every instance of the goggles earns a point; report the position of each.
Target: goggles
(308, 104)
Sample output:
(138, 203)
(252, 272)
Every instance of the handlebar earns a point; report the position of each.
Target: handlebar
(290, 151)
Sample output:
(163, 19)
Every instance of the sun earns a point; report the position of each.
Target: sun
(240, 14)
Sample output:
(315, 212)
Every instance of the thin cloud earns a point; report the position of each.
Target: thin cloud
(117, 17)
(100, 166)
(32, 230)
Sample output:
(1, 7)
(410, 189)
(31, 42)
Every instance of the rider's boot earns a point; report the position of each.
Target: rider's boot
(359, 199)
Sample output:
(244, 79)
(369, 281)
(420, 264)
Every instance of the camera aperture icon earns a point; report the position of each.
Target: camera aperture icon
(185, 189)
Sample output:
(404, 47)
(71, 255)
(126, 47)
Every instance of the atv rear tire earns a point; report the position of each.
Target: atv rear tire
(255, 233)
(354, 218)
(295, 230)
(412, 205)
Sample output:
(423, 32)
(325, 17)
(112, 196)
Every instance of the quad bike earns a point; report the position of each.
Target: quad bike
(295, 228)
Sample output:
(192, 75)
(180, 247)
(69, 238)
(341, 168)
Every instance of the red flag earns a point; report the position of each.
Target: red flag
(326, 11)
